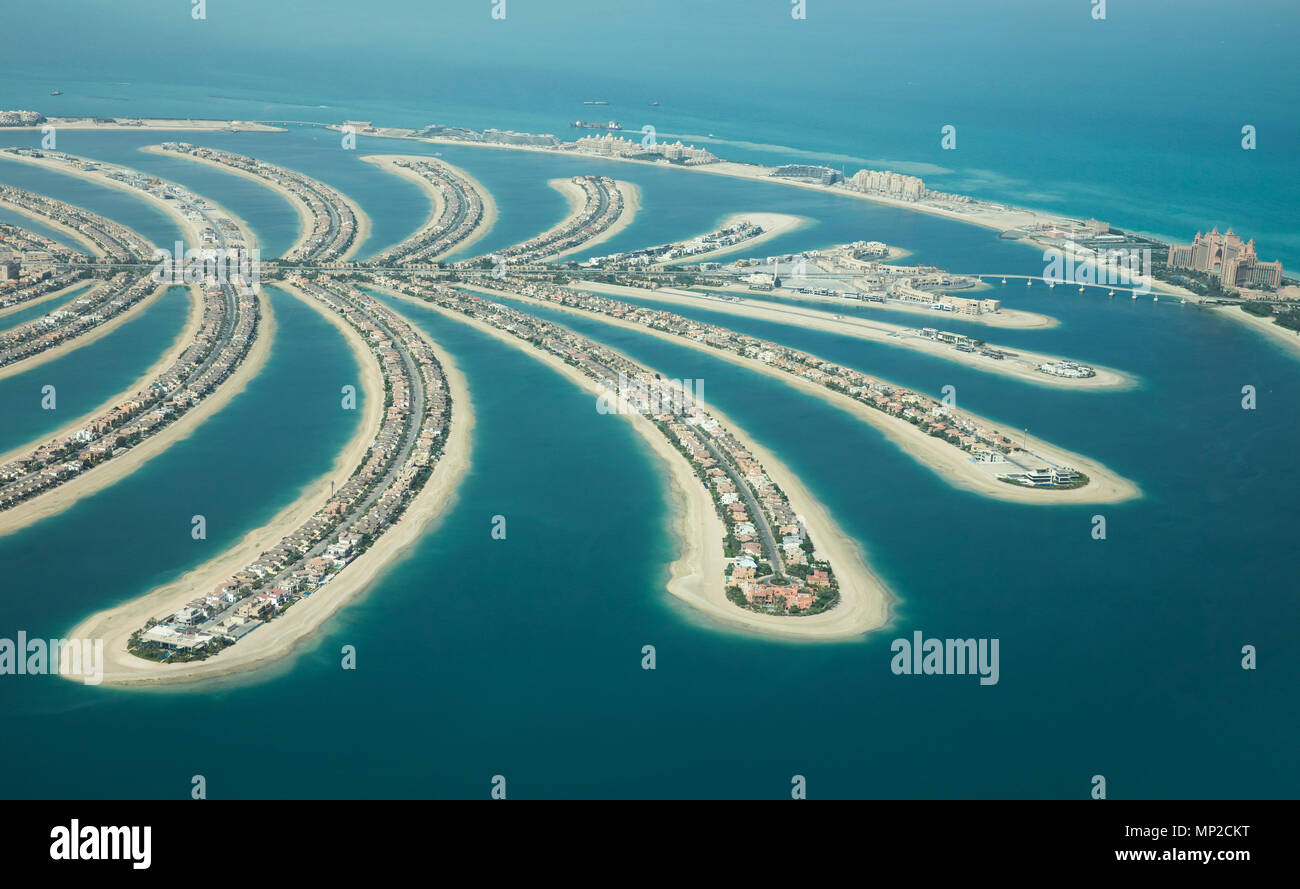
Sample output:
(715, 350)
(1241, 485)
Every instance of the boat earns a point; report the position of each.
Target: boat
(1004, 280)
(596, 102)
(1081, 289)
(654, 104)
(1112, 293)
(56, 92)
(610, 125)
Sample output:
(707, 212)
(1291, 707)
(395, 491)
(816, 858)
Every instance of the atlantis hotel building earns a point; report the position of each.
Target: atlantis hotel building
(1227, 254)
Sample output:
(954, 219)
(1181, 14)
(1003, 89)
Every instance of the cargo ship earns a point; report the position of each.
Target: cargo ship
(611, 125)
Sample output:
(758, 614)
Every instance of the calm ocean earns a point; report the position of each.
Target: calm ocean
(521, 657)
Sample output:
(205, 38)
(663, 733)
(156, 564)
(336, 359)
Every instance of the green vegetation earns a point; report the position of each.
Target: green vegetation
(155, 652)
(1200, 283)
(1080, 480)
(1288, 317)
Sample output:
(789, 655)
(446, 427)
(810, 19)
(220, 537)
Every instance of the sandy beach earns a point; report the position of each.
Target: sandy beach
(182, 342)
(949, 462)
(87, 245)
(1021, 367)
(631, 204)
(1014, 319)
(97, 332)
(106, 474)
(190, 229)
(83, 284)
(361, 235)
(298, 204)
(434, 196)
(993, 216)
(574, 197)
(697, 574)
(306, 221)
(985, 214)
(152, 123)
(1287, 339)
(269, 644)
(774, 225)
(998, 218)
(387, 163)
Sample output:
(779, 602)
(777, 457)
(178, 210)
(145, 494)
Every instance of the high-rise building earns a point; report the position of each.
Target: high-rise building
(1227, 254)
(894, 185)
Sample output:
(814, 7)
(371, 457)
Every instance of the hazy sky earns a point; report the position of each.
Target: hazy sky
(1236, 50)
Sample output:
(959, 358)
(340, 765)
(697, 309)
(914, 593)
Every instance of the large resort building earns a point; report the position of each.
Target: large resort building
(1227, 254)
(609, 145)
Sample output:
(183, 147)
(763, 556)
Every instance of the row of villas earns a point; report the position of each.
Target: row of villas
(216, 350)
(30, 266)
(772, 565)
(793, 579)
(332, 233)
(215, 230)
(602, 206)
(462, 212)
(931, 416)
(74, 318)
(119, 243)
(398, 463)
(728, 236)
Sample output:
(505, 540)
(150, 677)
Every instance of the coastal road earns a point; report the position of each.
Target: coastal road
(757, 516)
(410, 431)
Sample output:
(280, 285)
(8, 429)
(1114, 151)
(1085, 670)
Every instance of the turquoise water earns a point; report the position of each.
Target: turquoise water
(1052, 109)
(1137, 638)
(117, 204)
(86, 377)
(521, 657)
(22, 316)
(35, 225)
